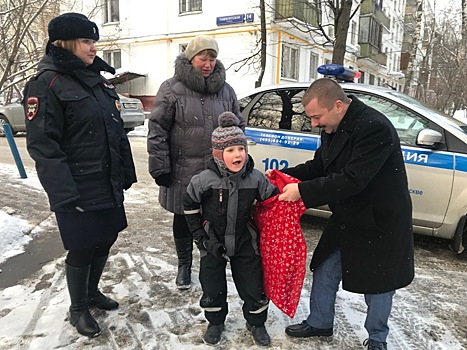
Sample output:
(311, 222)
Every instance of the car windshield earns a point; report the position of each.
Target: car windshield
(449, 119)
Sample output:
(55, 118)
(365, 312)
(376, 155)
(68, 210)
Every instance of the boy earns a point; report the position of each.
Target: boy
(217, 207)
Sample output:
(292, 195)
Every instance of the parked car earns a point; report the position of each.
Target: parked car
(434, 146)
(13, 114)
(131, 112)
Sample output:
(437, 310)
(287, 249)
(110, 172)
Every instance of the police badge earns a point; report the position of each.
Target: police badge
(32, 107)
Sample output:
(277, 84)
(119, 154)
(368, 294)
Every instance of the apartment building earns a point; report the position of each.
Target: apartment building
(142, 39)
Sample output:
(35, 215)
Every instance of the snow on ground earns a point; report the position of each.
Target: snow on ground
(15, 232)
(429, 314)
(13, 235)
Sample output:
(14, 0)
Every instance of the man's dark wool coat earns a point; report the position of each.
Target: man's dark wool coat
(359, 172)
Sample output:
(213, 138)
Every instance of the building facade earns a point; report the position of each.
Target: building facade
(143, 38)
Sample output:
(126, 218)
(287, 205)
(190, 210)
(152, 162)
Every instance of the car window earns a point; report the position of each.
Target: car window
(280, 109)
(407, 123)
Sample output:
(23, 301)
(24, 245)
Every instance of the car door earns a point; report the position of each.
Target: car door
(18, 118)
(430, 172)
(279, 133)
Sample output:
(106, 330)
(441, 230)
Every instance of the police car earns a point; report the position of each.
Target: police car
(434, 146)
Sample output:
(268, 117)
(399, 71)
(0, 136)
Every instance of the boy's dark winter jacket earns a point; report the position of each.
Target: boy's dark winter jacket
(222, 204)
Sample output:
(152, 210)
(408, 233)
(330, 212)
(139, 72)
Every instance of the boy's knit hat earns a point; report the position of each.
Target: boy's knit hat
(200, 43)
(72, 26)
(227, 134)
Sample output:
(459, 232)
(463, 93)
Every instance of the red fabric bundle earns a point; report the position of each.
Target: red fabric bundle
(282, 246)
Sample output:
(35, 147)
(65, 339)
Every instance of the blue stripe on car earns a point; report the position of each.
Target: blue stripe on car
(412, 155)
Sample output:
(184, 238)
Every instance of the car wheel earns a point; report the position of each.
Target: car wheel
(4, 120)
(463, 254)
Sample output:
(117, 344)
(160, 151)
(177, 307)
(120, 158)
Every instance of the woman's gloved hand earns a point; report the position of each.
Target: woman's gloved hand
(163, 180)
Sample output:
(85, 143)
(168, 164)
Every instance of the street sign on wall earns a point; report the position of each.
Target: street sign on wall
(235, 19)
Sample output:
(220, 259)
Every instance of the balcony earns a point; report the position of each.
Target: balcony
(370, 7)
(301, 10)
(372, 53)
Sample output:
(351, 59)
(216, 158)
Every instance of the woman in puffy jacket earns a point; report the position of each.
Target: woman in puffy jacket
(83, 158)
(180, 127)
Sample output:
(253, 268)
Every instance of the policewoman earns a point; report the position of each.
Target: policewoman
(83, 158)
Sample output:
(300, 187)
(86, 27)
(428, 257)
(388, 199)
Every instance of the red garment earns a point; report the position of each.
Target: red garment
(282, 246)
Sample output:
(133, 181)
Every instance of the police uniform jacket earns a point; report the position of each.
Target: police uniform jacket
(75, 134)
(186, 111)
(359, 172)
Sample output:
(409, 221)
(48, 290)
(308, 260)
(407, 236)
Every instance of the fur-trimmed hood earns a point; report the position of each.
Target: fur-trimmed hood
(194, 80)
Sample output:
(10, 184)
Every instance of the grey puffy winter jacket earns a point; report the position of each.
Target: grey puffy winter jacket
(186, 111)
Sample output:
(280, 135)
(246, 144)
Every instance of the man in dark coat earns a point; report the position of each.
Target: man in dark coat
(367, 243)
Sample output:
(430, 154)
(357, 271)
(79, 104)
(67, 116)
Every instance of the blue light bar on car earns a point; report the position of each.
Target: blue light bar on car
(338, 72)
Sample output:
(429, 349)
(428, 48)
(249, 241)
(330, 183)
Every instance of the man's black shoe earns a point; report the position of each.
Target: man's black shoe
(213, 333)
(304, 330)
(260, 335)
(375, 345)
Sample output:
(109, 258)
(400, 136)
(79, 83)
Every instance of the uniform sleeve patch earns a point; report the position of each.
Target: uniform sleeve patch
(118, 105)
(32, 107)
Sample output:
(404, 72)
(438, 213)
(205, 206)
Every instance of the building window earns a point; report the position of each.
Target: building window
(304, 10)
(362, 77)
(114, 58)
(111, 11)
(371, 32)
(314, 65)
(289, 65)
(353, 33)
(190, 5)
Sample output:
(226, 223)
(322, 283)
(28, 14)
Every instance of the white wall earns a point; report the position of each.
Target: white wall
(150, 32)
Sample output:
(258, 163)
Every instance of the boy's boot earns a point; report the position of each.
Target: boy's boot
(260, 334)
(184, 247)
(213, 333)
(96, 298)
(79, 316)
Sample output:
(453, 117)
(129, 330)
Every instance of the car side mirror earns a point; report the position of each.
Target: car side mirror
(428, 138)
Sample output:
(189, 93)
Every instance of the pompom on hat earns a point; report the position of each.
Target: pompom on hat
(69, 26)
(226, 134)
(200, 43)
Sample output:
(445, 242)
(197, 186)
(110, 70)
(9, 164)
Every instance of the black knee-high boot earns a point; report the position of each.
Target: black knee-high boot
(80, 317)
(184, 247)
(96, 298)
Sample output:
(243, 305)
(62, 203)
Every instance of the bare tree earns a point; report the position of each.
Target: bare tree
(22, 38)
(306, 17)
(414, 47)
(262, 9)
(338, 15)
(449, 72)
(342, 16)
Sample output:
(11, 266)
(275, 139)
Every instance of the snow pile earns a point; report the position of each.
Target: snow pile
(14, 235)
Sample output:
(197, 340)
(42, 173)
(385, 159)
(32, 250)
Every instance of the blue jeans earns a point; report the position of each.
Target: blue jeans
(326, 280)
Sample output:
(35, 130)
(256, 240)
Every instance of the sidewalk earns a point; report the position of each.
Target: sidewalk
(140, 274)
(430, 314)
